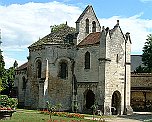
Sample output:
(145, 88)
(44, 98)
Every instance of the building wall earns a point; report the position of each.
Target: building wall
(114, 78)
(141, 91)
(19, 84)
(59, 90)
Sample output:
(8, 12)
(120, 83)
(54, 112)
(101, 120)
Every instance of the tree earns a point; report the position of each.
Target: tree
(56, 28)
(2, 70)
(141, 69)
(147, 53)
(8, 81)
(15, 65)
(50, 108)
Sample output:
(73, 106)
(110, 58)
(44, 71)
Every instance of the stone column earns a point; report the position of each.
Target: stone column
(46, 79)
(41, 95)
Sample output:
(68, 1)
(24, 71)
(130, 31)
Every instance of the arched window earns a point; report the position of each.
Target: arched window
(38, 68)
(87, 60)
(87, 25)
(63, 70)
(93, 26)
(24, 82)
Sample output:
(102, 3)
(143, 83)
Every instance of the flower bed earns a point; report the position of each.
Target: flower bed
(6, 105)
(53, 120)
(6, 113)
(65, 114)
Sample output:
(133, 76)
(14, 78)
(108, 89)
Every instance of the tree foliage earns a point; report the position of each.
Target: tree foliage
(56, 28)
(6, 76)
(8, 81)
(147, 53)
(15, 65)
(2, 70)
(141, 69)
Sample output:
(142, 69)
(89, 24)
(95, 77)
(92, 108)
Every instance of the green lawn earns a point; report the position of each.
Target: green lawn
(35, 116)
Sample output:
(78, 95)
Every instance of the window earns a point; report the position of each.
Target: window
(87, 25)
(117, 58)
(93, 26)
(38, 68)
(63, 70)
(24, 82)
(87, 60)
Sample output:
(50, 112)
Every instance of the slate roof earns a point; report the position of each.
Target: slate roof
(55, 37)
(23, 66)
(92, 38)
(136, 60)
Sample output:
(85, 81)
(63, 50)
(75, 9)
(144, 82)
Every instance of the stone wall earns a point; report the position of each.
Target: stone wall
(141, 91)
(19, 84)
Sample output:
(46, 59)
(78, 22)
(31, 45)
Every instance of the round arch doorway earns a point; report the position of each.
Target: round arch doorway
(116, 103)
(90, 99)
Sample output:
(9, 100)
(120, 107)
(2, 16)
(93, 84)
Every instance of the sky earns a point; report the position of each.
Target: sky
(23, 22)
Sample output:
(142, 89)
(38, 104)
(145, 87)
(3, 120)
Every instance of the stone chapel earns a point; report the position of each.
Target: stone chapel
(81, 67)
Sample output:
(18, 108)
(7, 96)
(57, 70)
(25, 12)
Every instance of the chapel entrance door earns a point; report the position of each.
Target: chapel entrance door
(90, 99)
(116, 103)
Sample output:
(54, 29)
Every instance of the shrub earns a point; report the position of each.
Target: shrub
(12, 102)
(5, 101)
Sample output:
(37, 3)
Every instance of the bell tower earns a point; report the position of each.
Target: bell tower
(87, 23)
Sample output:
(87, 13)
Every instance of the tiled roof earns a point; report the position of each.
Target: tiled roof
(55, 37)
(23, 66)
(92, 38)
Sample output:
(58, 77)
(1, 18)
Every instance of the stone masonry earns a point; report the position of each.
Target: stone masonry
(81, 67)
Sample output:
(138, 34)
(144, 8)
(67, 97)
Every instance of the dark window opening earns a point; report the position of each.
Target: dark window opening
(87, 25)
(24, 82)
(117, 58)
(39, 69)
(90, 99)
(63, 70)
(87, 60)
(93, 26)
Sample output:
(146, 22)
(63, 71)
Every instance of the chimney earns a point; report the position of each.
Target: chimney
(117, 24)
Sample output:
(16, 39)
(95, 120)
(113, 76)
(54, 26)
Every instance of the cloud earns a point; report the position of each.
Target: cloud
(146, 0)
(138, 28)
(21, 25)
(9, 61)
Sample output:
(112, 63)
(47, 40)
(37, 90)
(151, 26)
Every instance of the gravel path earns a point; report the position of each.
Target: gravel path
(136, 117)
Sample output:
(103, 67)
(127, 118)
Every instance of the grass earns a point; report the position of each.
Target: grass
(27, 116)
(34, 116)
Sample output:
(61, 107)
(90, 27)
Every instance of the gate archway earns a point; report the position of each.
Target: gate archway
(116, 103)
(90, 99)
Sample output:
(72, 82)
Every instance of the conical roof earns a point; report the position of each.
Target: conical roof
(55, 37)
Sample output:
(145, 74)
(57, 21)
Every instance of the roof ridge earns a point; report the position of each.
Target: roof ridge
(83, 13)
(23, 66)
